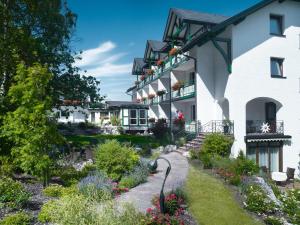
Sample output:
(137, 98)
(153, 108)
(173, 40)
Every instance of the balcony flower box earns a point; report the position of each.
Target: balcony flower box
(173, 52)
(160, 63)
(143, 77)
(177, 86)
(151, 96)
(150, 72)
(161, 92)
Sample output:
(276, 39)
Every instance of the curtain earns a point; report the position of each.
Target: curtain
(274, 158)
(263, 156)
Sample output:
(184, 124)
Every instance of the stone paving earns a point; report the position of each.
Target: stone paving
(142, 195)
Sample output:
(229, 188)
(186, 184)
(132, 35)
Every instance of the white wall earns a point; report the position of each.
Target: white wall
(252, 47)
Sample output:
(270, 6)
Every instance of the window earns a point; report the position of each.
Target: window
(133, 117)
(143, 116)
(193, 111)
(125, 117)
(277, 67)
(276, 25)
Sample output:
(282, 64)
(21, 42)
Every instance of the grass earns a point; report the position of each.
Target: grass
(84, 140)
(212, 203)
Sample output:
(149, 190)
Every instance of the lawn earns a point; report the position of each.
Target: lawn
(212, 203)
(100, 138)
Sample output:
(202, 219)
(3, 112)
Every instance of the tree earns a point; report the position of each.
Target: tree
(29, 126)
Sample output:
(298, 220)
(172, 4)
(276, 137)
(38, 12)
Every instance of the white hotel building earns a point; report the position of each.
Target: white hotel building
(244, 68)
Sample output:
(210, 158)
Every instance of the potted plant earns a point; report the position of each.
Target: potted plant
(144, 98)
(151, 96)
(177, 86)
(227, 124)
(173, 52)
(179, 123)
(138, 100)
(161, 92)
(160, 63)
(150, 72)
(143, 77)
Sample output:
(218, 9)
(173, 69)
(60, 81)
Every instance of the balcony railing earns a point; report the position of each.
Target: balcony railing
(171, 62)
(219, 126)
(264, 127)
(186, 91)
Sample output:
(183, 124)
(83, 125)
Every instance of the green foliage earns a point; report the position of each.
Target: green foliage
(138, 176)
(29, 127)
(160, 129)
(291, 205)
(53, 190)
(115, 160)
(76, 209)
(19, 218)
(12, 193)
(96, 186)
(235, 180)
(206, 159)
(115, 121)
(258, 201)
(6, 166)
(272, 220)
(217, 144)
(244, 166)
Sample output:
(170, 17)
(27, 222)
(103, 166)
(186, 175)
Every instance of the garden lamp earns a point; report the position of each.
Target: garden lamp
(152, 167)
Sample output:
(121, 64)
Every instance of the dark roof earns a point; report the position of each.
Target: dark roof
(138, 66)
(131, 89)
(230, 21)
(156, 46)
(192, 16)
(125, 104)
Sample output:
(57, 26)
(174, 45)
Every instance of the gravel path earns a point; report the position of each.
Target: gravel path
(142, 195)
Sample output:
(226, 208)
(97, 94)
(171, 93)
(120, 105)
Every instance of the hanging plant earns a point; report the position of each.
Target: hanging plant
(173, 52)
(161, 92)
(177, 85)
(143, 77)
(151, 96)
(150, 72)
(160, 63)
(144, 98)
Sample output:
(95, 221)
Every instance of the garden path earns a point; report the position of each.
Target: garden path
(142, 195)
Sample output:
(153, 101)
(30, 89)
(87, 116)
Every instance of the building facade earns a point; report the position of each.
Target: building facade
(237, 75)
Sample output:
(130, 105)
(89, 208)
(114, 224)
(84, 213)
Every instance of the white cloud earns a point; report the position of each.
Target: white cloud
(91, 56)
(103, 61)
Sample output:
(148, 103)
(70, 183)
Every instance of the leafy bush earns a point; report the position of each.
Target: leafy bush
(290, 205)
(138, 176)
(271, 220)
(19, 218)
(76, 209)
(206, 159)
(258, 201)
(12, 193)
(115, 121)
(53, 190)
(244, 166)
(217, 144)
(96, 186)
(115, 160)
(160, 129)
(70, 175)
(235, 180)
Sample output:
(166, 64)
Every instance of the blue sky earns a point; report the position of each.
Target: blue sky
(113, 32)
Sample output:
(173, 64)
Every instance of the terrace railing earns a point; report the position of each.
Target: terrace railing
(264, 127)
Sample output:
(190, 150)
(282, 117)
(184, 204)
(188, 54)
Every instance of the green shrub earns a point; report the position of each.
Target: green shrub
(115, 121)
(206, 159)
(77, 209)
(160, 129)
(96, 186)
(115, 160)
(138, 176)
(19, 218)
(271, 220)
(235, 180)
(53, 190)
(244, 166)
(290, 205)
(12, 193)
(258, 201)
(217, 144)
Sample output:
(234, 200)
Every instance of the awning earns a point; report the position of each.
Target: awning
(267, 138)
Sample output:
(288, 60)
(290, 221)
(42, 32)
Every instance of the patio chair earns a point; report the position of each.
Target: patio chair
(290, 173)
